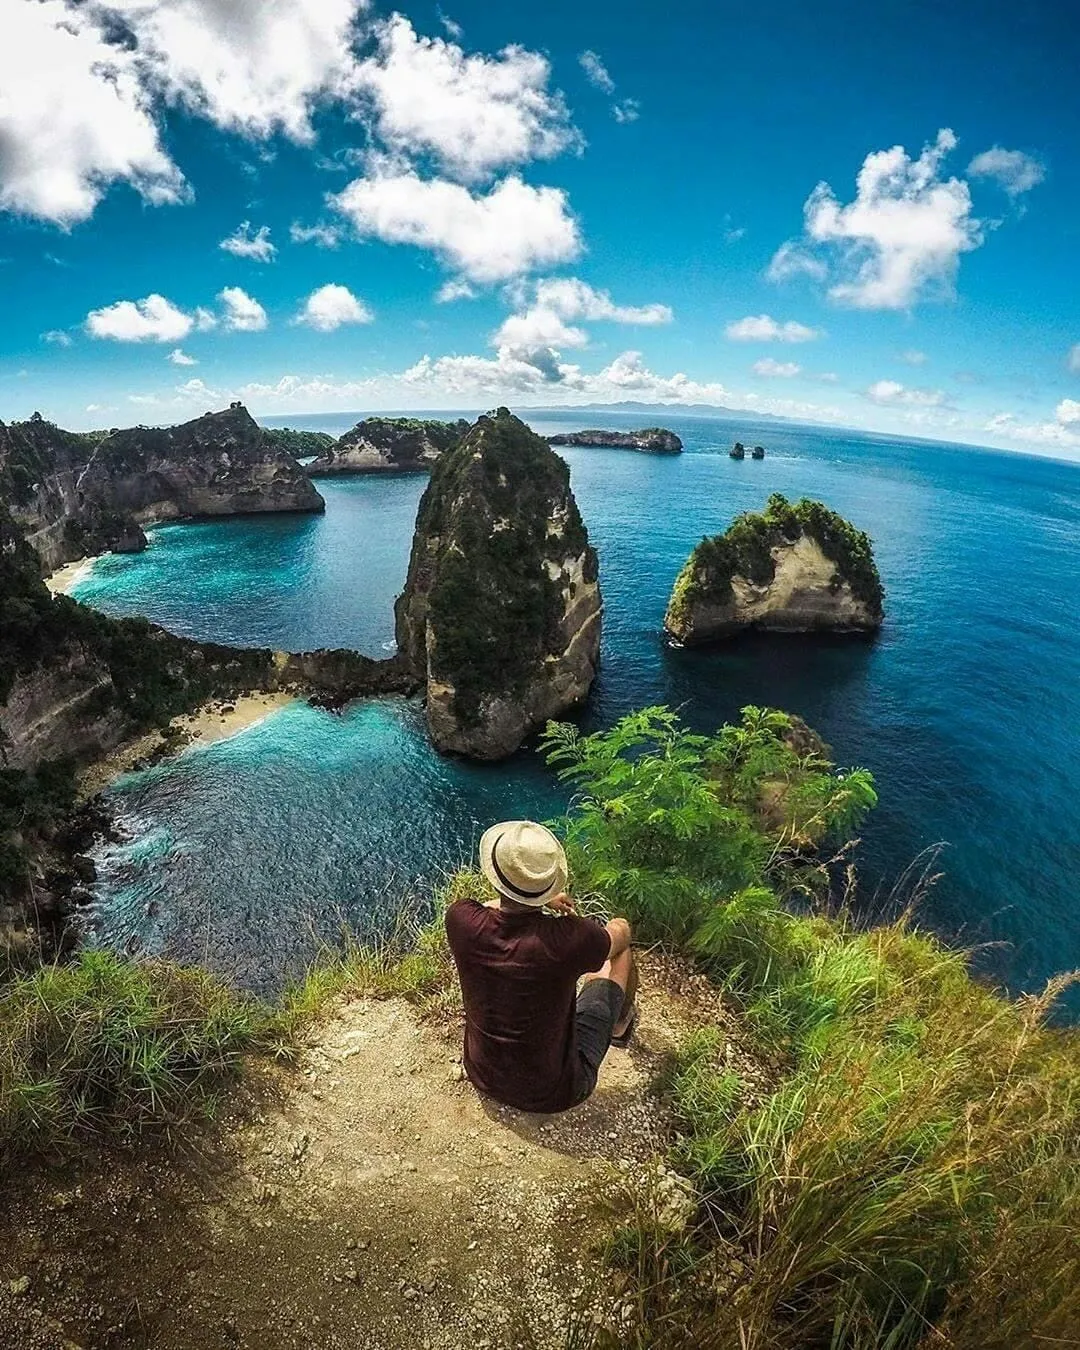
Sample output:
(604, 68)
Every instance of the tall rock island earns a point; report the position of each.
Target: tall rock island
(76, 493)
(792, 569)
(388, 444)
(501, 611)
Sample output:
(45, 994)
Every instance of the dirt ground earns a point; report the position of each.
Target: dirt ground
(369, 1198)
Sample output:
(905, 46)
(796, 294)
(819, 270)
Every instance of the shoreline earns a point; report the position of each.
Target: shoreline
(64, 580)
(217, 720)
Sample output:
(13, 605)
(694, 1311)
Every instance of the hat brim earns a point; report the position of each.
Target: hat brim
(488, 841)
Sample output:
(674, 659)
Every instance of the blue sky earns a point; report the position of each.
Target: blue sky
(861, 215)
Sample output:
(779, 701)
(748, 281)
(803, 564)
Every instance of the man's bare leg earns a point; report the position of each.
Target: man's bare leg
(622, 969)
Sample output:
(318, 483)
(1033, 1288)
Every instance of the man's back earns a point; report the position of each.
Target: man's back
(519, 972)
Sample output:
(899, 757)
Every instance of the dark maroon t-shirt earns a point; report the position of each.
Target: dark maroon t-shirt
(519, 974)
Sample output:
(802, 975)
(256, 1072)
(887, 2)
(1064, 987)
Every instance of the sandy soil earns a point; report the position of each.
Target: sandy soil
(64, 580)
(214, 721)
(369, 1198)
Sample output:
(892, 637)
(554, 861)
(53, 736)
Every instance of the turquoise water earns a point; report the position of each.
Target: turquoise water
(967, 707)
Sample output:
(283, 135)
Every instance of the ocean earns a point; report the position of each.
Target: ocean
(251, 853)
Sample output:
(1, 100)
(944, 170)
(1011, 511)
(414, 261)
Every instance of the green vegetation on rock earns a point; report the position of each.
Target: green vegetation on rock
(299, 444)
(745, 550)
(483, 533)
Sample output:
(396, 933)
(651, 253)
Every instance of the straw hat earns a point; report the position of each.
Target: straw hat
(523, 861)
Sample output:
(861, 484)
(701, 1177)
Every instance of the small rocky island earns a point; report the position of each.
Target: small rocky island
(791, 569)
(79, 493)
(650, 440)
(501, 612)
(388, 445)
(737, 451)
(758, 452)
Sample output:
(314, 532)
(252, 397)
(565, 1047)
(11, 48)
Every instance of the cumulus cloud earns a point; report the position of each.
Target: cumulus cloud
(253, 67)
(57, 337)
(1056, 435)
(902, 237)
(767, 367)
(456, 288)
(763, 328)
(485, 237)
(154, 319)
(1067, 412)
(596, 72)
(1072, 361)
(178, 357)
(1012, 170)
(474, 114)
(330, 307)
(74, 117)
(325, 236)
(247, 243)
(790, 260)
(242, 313)
(626, 110)
(893, 392)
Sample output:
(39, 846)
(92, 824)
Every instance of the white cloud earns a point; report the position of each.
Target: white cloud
(244, 243)
(475, 114)
(74, 117)
(488, 237)
(242, 313)
(57, 337)
(454, 289)
(154, 319)
(762, 328)
(325, 236)
(1012, 170)
(596, 72)
(783, 369)
(790, 260)
(899, 240)
(250, 66)
(205, 320)
(1067, 412)
(178, 357)
(452, 27)
(330, 307)
(626, 110)
(914, 357)
(893, 392)
(1072, 361)
(1054, 435)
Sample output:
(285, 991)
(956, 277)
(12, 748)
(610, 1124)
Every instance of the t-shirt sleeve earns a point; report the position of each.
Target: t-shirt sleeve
(591, 944)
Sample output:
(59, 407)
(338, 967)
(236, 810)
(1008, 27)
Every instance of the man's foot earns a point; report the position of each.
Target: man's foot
(624, 1029)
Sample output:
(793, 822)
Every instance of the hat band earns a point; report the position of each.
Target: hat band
(510, 885)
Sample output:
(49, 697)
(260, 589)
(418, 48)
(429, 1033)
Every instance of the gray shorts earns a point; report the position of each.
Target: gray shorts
(598, 1007)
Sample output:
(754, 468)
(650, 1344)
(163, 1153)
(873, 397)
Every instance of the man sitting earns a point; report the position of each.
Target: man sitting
(528, 1043)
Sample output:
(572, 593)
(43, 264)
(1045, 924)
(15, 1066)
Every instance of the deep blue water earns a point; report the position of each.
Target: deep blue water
(967, 707)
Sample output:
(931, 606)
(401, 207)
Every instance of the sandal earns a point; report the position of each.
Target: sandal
(623, 1039)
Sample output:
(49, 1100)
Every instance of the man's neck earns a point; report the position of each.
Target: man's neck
(512, 907)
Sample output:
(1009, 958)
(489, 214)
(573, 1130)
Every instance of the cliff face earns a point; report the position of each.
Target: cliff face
(793, 569)
(388, 444)
(77, 494)
(652, 440)
(501, 611)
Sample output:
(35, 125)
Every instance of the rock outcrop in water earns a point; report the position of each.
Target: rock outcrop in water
(793, 569)
(75, 494)
(501, 611)
(388, 444)
(651, 440)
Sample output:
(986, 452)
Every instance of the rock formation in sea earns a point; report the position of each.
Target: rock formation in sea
(792, 569)
(388, 444)
(652, 440)
(758, 452)
(738, 451)
(501, 611)
(75, 494)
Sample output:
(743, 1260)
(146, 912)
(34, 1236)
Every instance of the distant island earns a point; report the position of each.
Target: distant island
(388, 445)
(651, 440)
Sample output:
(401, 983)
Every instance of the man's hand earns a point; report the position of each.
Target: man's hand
(562, 903)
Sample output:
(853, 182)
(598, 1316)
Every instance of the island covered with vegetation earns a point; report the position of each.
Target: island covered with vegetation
(388, 445)
(651, 440)
(791, 568)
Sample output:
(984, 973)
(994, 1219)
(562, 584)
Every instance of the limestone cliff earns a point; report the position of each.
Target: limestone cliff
(651, 440)
(388, 444)
(501, 611)
(793, 569)
(74, 494)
